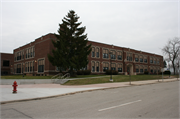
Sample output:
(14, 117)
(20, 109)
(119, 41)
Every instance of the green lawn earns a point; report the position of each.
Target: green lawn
(116, 78)
(101, 79)
(43, 77)
(25, 77)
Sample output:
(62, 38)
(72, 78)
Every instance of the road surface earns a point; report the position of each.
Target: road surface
(147, 101)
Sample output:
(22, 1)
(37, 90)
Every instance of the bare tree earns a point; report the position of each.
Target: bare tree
(172, 51)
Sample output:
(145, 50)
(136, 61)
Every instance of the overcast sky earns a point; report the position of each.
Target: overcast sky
(142, 25)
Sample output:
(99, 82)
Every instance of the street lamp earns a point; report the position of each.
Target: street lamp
(162, 72)
(169, 68)
(179, 69)
(34, 67)
(110, 67)
(23, 69)
(129, 76)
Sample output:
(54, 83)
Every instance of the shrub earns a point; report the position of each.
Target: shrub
(86, 72)
(167, 72)
(108, 72)
(83, 72)
(79, 72)
(146, 72)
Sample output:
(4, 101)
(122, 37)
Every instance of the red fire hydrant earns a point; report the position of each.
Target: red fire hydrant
(14, 87)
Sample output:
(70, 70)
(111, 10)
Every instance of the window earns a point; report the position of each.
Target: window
(119, 67)
(137, 70)
(30, 66)
(105, 66)
(33, 66)
(151, 61)
(113, 55)
(26, 66)
(33, 51)
(141, 70)
(136, 59)
(97, 52)
(141, 60)
(18, 56)
(60, 68)
(145, 60)
(105, 53)
(119, 55)
(23, 54)
(18, 70)
(93, 67)
(93, 52)
(97, 67)
(154, 62)
(15, 68)
(29, 50)
(113, 66)
(22, 67)
(41, 65)
(26, 53)
(6, 63)
(129, 56)
(151, 70)
(145, 70)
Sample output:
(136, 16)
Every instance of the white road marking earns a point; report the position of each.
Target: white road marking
(120, 105)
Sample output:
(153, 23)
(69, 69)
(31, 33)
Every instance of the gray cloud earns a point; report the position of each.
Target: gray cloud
(143, 26)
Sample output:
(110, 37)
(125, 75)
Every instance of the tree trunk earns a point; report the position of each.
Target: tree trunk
(173, 67)
(72, 74)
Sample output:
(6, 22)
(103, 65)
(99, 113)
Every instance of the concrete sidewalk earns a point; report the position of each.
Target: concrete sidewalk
(40, 91)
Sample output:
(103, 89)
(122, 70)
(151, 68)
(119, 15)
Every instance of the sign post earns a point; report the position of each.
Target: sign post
(129, 77)
(162, 70)
(179, 69)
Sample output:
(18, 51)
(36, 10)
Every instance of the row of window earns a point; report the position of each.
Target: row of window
(155, 62)
(20, 55)
(6, 63)
(95, 66)
(29, 67)
(105, 68)
(95, 53)
(144, 70)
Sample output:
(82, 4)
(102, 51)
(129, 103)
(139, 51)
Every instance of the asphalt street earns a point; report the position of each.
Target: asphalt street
(147, 101)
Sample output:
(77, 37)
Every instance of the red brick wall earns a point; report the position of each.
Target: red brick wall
(9, 57)
(44, 46)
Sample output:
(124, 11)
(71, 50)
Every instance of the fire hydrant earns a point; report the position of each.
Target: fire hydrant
(14, 87)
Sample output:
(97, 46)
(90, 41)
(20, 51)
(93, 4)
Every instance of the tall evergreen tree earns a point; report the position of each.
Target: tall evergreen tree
(71, 49)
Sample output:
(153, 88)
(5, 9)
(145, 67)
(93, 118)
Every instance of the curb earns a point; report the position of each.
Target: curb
(39, 98)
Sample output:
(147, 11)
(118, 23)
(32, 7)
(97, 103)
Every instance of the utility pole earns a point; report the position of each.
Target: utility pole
(179, 69)
(129, 77)
(110, 67)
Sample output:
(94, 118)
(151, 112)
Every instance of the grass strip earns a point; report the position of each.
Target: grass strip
(116, 78)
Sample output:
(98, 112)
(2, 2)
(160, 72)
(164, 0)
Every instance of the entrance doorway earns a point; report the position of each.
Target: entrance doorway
(130, 69)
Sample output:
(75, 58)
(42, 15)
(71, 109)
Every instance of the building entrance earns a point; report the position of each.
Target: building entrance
(130, 69)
